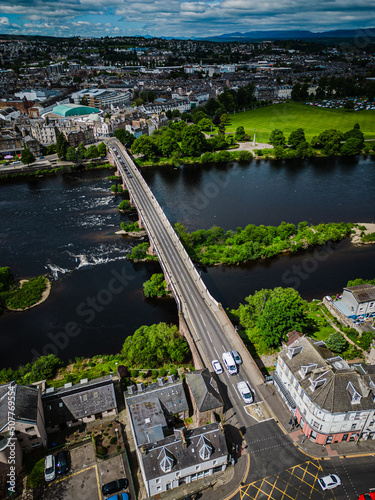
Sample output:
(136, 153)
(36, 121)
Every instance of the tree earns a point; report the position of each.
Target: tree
(240, 133)
(352, 146)
(92, 152)
(277, 138)
(168, 143)
(296, 137)
(84, 101)
(81, 151)
(27, 157)
(336, 342)
(272, 313)
(198, 116)
(61, 145)
(150, 96)
(193, 141)
(145, 146)
(331, 141)
(153, 346)
(72, 155)
(349, 106)
(245, 156)
(155, 286)
(124, 136)
(102, 149)
(205, 124)
(6, 279)
(224, 118)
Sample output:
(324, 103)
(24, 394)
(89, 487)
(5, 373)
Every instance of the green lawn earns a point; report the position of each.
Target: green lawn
(290, 116)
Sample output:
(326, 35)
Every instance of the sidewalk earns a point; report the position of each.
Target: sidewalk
(282, 415)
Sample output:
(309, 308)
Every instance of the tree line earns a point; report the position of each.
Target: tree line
(330, 142)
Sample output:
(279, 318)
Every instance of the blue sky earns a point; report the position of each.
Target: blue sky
(180, 18)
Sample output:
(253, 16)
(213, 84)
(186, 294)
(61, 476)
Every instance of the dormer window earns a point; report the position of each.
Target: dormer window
(355, 395)
(293, 351)
(205, 450)
(166, 460)
(304, 370)
(317, 383)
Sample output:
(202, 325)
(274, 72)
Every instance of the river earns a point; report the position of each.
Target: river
(65, 225)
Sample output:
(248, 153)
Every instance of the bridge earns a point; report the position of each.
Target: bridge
(203, 321)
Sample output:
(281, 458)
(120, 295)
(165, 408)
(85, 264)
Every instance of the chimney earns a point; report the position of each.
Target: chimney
(170, 379)
(131, 389)
(140, 387)
(183, 439)
(160, 381)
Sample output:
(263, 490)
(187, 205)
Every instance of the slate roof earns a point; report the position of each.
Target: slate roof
(79, 401)
(331, 376)
(204, 390)
(149, 408)
(26, 403)
(184, 456)
(362, 293)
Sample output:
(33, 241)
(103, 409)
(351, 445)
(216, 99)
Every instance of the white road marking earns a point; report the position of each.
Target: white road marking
(217, 354)
(209, 336)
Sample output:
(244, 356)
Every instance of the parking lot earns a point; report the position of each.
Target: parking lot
(86, 476)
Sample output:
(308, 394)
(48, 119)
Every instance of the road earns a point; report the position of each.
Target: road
(199, 309)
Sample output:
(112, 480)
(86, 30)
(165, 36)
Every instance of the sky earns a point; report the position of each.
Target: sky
(180, 19)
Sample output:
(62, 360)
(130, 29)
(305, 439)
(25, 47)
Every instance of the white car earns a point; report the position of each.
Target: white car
(217, 366)
(329, 482)
(245, 392)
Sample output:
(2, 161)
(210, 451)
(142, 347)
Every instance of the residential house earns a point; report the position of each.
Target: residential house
(332, 400)
(169, 457)
(77, 404)
(358, 301)
(204, 395)
(22, 425)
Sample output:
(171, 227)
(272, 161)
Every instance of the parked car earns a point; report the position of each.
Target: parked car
(329, 482)
(115, 486)
(119, 496)
(49, 468)
(217, 366)
(62, 462)
(237, 358)
(245, 392)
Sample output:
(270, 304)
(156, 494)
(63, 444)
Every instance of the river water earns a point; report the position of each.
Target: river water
(65, 225)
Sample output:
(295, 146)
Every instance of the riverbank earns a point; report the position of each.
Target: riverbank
(356, 237)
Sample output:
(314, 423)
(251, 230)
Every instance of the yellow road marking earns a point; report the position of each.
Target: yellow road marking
(244, 477)
(72, 475)
(97, 481)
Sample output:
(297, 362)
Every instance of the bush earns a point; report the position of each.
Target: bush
(173, 372)
(245, 156)
(162, 372)
(36, 476)
(366, 340)
(113, 440)
(28, 294)
(134, 373)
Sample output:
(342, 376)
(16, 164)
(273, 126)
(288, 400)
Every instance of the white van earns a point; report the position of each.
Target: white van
(229, 363)
(49, 468)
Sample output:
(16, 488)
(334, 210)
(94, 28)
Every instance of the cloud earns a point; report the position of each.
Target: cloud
(183, 17)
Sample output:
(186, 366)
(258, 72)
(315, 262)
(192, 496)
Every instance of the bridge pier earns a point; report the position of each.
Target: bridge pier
(151, 249)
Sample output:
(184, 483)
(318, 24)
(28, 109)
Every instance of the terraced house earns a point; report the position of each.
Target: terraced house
(333, 401)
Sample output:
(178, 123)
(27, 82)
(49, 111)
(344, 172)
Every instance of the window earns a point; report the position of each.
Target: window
(95, 395)
(157, 480)
(158, 488)
(354, 426)
(84, 397)
(61, 405)
(197, 467)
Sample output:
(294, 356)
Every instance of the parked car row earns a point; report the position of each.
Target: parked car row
(127, 171)
(56, 465)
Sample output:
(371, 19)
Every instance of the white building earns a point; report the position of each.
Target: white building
(332, 400)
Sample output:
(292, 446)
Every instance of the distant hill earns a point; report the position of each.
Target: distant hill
(288, 35)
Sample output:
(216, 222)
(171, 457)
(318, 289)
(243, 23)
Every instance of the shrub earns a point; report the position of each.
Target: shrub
(134, 373)
(113, 440)
(173, 372)
(366, 340)
(36, 476)
(245, 156)
(162, 372)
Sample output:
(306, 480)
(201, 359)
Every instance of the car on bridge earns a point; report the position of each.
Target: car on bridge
(245, 392)
(369, 495)
(237, 358)
(229, 363)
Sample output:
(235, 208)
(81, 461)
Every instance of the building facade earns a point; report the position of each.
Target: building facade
(332, 400)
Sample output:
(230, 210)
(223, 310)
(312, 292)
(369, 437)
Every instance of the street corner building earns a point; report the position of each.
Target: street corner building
(333, 401)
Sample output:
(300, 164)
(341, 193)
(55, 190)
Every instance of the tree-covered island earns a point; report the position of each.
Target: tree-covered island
(216, 246)
(28, 294)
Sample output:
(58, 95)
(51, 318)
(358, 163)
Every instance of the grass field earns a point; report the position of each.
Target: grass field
(290, 116)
